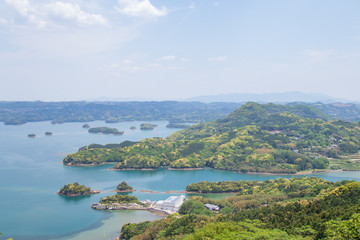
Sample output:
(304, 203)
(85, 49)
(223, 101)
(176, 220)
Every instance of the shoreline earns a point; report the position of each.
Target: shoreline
(79, 194)
(132, 169)
(156, 192)
(298, 173)
(84, 165)
(184, 169)
(159, 212)
(194, 169)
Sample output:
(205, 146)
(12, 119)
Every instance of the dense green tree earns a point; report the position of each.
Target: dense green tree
(123, 186)
(74, 189)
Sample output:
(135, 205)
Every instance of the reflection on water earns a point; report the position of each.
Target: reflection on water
(110, 228)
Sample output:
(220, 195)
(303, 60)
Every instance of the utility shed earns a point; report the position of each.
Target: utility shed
(212, 207)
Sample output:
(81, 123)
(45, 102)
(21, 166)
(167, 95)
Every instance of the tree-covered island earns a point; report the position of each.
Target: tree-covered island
(124, 187)
(76, 189)
(105, 130)
(147, 126)
(254, 138)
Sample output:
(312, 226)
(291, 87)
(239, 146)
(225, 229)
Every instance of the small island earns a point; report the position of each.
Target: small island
(132, 127)
(86, 126)
(112, 120)
(31, 135)
(48, 133)
(76, 189)
(105, 130)
(177, 125)
(147, 126)
(124, 187)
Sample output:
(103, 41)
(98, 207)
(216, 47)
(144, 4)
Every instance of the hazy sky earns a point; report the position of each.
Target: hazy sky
(81, 49)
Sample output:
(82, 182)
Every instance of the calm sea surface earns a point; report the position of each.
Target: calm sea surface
(31, 173)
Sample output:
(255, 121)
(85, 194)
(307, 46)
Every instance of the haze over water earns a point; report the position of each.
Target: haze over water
(31, 172)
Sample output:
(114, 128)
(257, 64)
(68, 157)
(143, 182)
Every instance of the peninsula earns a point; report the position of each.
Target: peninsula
(124, 202)
(255, 138)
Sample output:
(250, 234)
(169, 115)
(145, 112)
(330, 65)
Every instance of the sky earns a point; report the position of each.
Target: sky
(62, 50)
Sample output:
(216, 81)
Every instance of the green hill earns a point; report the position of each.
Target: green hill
(254, 138)
(298, 208)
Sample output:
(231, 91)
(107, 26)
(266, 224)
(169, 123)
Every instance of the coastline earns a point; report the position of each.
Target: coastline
(132, 169)
(168, 192)
(159, 212)
(297, 173)
(79, 194)
(184, 169)
(84, 165)
(194, 169)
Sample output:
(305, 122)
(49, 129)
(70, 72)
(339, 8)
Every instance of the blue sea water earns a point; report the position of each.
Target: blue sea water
(31, 172)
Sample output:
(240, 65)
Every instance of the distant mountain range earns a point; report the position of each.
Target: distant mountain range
(281, 97)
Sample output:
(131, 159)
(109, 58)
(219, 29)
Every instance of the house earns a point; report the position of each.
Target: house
(212, 207)
(275, 132)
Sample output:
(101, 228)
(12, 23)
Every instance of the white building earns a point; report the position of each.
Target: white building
(173, 203)
(159, 204)
(212, 207)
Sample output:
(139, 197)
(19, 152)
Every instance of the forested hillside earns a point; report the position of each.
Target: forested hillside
(59, 112)
(301, 208)
(254, 138)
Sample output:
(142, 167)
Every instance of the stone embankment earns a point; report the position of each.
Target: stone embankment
(148, 206)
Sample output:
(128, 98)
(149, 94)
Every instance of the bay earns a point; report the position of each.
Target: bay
(31, 173)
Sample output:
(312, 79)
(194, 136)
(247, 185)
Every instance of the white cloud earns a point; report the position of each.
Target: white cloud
(192, 5)
(318, 55)
(25, 9)
(40, 14)
(216, 4)
(140, 8)
(70, 43)
(167, 58)
(71, 11)
(218, 59)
